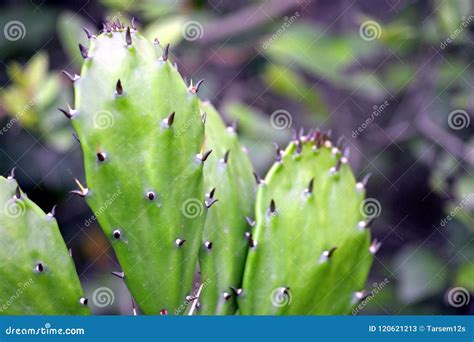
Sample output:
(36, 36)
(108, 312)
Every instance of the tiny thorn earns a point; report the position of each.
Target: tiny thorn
(165, 55)
(70, 252)
(119, 88)
(226, 296)
(374, 246)
(134, 308)
(101, 156)
(233, 127)
(76, 137)
(278, 157)
(272, 207)
(117, 234)
(210, 202)
(204, 156)
(252, 243)
(257, 178)
(248, 235)
(39, 268)
(237, 291)
(84, 51)
(18, 192)
(366, 178)
(225, 159)
(52, 213)
(128, 37)
(310, 188)
(71, 77)
(211, 193)
(120, 275)
(203, 118)
(250, 222)
(150, 195)
(132, 23)
(12, 174)
(163, 312)
(88, 33)
(359, 296)
(170, 119)
(66, 114)
(326, 255)
(299, 148)
(83, 301)
(179, 242)
(82, 192)
(198, 85)
(208, 245)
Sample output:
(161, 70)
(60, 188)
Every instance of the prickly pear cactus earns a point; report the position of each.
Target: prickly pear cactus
(141, 134)
(37, 275)
(231, 193)
(310, 249)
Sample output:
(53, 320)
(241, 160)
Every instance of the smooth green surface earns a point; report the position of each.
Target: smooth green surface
(222, 266)
(143, 154)
(290, 242)
(27, 237)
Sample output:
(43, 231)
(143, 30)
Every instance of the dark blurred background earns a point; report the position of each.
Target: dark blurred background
(393, 79)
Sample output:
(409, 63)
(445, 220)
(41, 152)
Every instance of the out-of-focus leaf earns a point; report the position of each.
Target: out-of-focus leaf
(451, 14)
(24, 28)
(168, 31)
(256, 133)
(465, 277)
(148, 9)
(420, 274)
(288, 83)
(322, 54)
(70, 33)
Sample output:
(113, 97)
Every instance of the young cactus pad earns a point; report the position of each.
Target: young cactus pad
(37, 275)
(231, 193)
(310, 249)
(141, 133)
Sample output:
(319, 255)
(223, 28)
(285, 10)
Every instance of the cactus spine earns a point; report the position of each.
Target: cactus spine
(141, 133)
(229, 181)
(37, 275)
(310, 253)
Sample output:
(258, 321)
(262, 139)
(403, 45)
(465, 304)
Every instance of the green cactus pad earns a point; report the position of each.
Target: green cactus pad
(309, 252)
(141, 134)
(37, 275)
(224, 246)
